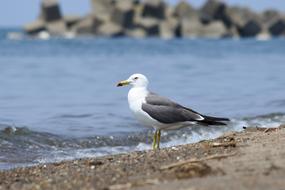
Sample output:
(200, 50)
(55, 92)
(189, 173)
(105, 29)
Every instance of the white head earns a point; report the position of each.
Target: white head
(136, 80)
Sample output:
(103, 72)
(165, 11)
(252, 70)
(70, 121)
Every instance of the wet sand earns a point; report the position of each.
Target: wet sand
(251, 159)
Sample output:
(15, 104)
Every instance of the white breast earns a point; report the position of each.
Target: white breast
(136, 97)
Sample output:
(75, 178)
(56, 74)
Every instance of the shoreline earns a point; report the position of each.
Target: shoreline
(251, 159)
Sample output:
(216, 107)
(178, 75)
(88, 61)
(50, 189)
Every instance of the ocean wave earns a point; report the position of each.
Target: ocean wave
(20, 146)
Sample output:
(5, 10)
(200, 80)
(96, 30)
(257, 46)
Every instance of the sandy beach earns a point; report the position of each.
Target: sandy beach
(251, 159)
(212, 69)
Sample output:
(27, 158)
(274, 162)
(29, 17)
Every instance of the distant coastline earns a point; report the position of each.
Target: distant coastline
(155, 18)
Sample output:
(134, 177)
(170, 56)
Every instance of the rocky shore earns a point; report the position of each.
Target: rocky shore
(251, 159)
(155, 18)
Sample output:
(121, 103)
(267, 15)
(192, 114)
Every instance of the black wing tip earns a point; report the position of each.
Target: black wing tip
(209, 122)
(220, 123)
(224, 119)
(216, 118)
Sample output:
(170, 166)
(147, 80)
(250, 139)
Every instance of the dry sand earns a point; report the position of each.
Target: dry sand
(252, 159)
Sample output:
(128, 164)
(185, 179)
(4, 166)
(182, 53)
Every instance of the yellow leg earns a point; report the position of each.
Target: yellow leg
(158, 134)
(154, 140)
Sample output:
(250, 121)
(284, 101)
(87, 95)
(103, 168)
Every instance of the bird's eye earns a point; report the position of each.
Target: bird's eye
(136, 78)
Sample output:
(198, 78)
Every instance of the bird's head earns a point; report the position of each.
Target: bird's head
(136, 80)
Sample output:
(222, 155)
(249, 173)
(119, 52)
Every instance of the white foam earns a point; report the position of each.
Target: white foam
(43, 35)
(69, 35)
(142, 146)
(62, 155)
(263, 37)
(15, 36)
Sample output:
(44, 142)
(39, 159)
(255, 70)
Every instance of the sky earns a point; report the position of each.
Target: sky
(16, 13)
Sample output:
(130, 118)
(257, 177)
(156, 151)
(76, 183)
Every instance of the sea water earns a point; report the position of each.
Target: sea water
(59, 100)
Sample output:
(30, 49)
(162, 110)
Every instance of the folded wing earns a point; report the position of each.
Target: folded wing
(166, 111)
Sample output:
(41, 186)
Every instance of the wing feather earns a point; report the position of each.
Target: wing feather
(167, 111)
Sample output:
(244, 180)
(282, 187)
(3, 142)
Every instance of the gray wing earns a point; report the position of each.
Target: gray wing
(167, 111)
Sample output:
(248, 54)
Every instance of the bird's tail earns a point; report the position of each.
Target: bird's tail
(209, 120)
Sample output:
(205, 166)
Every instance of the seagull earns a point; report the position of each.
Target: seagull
(161, 113)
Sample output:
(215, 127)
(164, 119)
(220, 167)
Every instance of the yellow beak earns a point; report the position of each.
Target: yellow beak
(123, 83)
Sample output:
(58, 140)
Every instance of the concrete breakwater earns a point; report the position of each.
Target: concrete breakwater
(155, 18)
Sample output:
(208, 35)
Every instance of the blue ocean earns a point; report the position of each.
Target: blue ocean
(59, 100)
